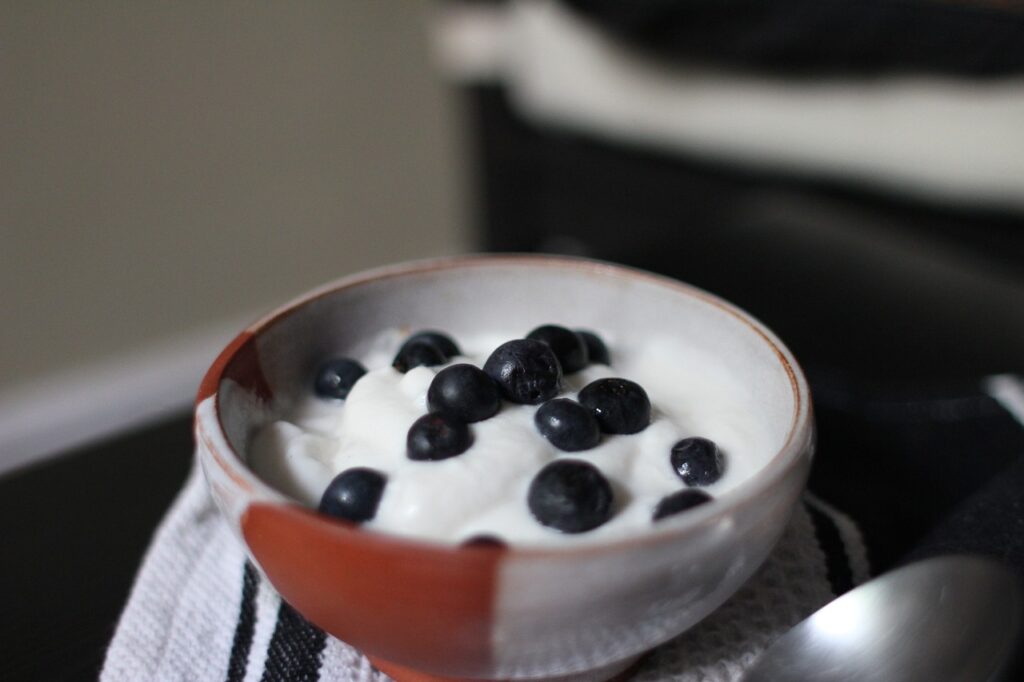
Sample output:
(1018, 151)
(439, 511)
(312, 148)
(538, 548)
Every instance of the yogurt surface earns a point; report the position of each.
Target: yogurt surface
(483, 491)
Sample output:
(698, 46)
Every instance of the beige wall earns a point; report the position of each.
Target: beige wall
(165, 166)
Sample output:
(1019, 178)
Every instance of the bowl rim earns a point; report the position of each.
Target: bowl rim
(799, 439)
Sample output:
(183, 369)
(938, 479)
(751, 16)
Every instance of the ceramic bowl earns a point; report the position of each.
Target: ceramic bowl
(424, 610)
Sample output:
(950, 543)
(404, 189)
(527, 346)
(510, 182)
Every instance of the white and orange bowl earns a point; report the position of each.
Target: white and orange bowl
(423, 610)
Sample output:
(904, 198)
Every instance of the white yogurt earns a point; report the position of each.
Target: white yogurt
(483, 491)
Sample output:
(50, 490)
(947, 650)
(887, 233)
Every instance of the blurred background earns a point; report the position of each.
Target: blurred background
(852, 175)
(168, 167)
(170, 171)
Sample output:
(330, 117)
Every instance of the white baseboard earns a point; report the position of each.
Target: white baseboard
(69, 409)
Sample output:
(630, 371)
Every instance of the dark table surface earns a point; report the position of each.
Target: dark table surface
(75, 529)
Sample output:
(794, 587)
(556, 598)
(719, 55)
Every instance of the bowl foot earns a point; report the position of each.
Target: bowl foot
(614, 672)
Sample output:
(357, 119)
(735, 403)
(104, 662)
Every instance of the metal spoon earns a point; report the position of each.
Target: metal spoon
(940, 620)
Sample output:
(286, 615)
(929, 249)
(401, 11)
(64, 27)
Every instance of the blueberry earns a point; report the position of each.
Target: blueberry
(527, 371)
(569, 348)
(679, 501)
(437, 436)
(354, 494)
(620, 405)
(484, 540)
(698, 461)
(442, 341)
(335, 378)
(567, 425)
(464, 392)
(416, 354)
(596, 350)
(570, 496)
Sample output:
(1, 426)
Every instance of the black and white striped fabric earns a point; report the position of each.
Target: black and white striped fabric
(200, 611)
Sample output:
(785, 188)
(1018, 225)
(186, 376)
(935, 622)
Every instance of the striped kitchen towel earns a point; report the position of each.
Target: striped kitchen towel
(200, 611)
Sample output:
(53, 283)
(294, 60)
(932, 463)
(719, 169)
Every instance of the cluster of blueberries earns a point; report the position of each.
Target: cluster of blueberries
(569, 495)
